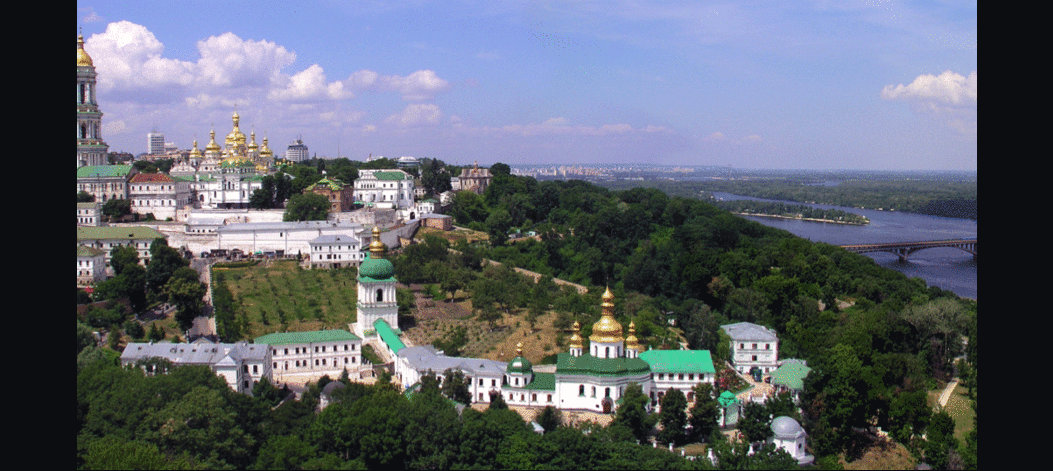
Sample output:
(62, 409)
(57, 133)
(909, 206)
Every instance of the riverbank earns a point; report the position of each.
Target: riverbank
(847, 223)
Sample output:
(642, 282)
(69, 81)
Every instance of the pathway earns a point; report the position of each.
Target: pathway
(946, 395)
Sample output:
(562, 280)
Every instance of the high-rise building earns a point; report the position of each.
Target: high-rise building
(155, 143)
(91, 149)
(297, 152)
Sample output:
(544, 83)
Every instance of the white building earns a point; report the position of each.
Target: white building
(297, 152)
(313, 354)
(335, 251)
(155, 143)
(105, 182)
(89, 214)
(158, 194)
(485, 376)
(284, 237)
(91, 265)
(230, 186)
(391, 189)
(752, 346)
(241, 364)
(106, 238)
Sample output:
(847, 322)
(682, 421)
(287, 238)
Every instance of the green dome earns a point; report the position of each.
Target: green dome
(376, 268)
(519, 365)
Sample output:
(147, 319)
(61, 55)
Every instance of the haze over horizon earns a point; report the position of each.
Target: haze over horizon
(819, 85)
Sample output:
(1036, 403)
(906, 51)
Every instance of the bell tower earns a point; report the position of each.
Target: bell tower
(91, 149)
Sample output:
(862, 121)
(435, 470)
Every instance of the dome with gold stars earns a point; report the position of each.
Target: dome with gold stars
(607, 329)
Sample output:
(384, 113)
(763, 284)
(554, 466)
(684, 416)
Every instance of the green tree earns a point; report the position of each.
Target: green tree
(705, 413)
(456, 386)
(306, 207)
(632, 412)
(122, 257)
(187, 295)
(550, 418)
(164, 261)
(117, 208)
(85, 197)
(673, 417)
(940, 440)
(284, 452)
(755, 423)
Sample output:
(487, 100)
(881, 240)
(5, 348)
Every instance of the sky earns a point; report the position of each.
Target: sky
(809, 84)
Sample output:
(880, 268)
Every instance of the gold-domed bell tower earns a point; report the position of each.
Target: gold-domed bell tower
(606, 340)
(376, 290)
(91, 149)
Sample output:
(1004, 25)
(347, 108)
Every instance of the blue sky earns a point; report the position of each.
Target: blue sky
(866, 84)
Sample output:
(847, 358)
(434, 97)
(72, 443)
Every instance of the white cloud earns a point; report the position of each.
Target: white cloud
(310, 85)
(228, 61)
(947, 88)
(948, 95)
(416, 115)
(418, 86)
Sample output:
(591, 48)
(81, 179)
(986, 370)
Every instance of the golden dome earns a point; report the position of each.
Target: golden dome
(607, 329)
(212, 146)
(631, 342)
(83, 59)
(236, 138)
(253, 147)
(377, 248)
(576, 340)
(195, 153)
(266, 151)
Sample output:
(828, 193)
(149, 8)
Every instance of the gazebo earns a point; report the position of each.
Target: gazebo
(730, 408)
(791, 376)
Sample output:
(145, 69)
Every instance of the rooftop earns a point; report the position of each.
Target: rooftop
(679, 361)
(314, 336)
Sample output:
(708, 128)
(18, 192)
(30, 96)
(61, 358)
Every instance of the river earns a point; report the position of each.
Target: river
(948, 268)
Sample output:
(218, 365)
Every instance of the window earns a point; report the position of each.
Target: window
(549, 398)
(754, 357)
(380, 295)
(754, 346)
(691, 377)
(581, 390)
(680, 377)
(742, 345)
(767, 346)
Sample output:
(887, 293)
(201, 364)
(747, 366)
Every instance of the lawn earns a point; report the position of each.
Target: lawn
(960, 408)
(279, 296)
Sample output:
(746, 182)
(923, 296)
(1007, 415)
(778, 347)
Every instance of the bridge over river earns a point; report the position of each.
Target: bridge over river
(904, 249)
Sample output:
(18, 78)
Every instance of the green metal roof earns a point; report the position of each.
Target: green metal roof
(124, 233)
(103, 171)
(543, 382)
(679, 361)
(315, 336)
(587, 364)
(790, 375)
(388, 336)
(84, 251)
(389, 175)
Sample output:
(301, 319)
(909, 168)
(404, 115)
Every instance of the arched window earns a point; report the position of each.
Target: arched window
(380, 295)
